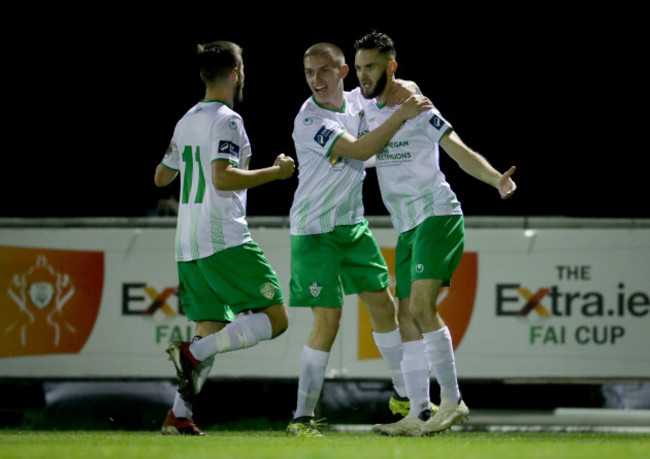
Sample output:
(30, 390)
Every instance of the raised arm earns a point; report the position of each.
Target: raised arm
(226, 177)
(477, 166)
(367, 145)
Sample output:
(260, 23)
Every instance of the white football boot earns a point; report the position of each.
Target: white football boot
(449, 413)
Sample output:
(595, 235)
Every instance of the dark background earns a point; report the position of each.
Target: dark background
(91, 94)
(93, 97)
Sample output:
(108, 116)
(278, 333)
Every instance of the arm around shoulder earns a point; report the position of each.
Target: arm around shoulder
(367, 145)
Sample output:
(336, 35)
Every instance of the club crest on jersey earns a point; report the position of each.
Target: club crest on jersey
(229, 148)
(307, 121)
(323, 135)
(233, 125)
(315, 289)
(268, 290)
(436, 122)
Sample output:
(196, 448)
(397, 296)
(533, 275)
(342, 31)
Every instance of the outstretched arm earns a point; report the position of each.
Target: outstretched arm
(225, 177)
(477, 166)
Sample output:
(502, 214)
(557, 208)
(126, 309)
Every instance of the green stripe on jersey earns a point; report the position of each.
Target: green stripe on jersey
(216, 232)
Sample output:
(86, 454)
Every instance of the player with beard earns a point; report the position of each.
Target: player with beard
(222, 272)
(428, 218)
(332, 249)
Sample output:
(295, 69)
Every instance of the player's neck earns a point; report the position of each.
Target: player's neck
(221, 93)
(336, 104)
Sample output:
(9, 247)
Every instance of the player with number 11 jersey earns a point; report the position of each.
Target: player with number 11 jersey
(209, 220)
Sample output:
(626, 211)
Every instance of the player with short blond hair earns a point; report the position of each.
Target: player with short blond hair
(333, 252)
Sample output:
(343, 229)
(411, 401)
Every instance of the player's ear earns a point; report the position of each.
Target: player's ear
(344, 70)
(393, 67)
(234, 74)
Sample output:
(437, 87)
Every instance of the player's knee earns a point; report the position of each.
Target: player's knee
(380, 305)
(404, 315)
(279, 317)
(419, 311)
(328, 324)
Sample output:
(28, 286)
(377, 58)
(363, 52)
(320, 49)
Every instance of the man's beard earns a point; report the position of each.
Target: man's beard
(379, 87)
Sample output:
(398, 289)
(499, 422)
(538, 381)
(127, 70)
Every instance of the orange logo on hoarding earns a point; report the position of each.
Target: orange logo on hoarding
(49, 299)
(455, 303)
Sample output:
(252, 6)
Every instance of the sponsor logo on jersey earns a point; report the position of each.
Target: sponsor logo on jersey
(436, 122)
(323, 135)
(386, 156)
(229, 148)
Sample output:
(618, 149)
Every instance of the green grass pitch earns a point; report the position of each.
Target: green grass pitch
(339, 445)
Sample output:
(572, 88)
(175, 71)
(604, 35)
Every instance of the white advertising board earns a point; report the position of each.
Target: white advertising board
(546, 303)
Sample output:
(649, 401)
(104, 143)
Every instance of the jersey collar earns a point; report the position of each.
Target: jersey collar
(216, 100)
(342, 110)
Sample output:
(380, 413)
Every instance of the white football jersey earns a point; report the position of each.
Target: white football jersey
(208, 220)
(408, 171)
(329, 191)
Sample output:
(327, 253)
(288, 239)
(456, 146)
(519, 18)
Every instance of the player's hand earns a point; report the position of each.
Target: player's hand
(507, 186)
(286, 165)
(399, 91)
(415, 105)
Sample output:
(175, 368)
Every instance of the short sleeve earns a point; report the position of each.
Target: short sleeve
(435, 125)
(171, 158)
(317, 134)
(228, 139)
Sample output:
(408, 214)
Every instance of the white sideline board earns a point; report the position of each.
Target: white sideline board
(548, 303)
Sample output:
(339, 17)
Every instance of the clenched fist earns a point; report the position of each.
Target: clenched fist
(286, 165)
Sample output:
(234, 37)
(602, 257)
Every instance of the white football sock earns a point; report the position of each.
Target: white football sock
(181, 408)
(415, 368)
(440, 352)
(244, 332)
(310, 383)
(390, 348)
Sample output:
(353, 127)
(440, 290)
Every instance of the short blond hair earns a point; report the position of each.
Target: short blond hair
(326, 48)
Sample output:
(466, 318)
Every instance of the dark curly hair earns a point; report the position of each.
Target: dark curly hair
(216, 59)
(379, 41)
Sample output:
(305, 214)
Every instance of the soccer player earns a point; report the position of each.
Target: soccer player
(222, 272)
(428, 218)
(332, 248)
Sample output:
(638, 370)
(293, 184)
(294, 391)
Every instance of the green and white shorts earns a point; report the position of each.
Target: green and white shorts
(219, 287)
(431, 250)
(322, 265)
